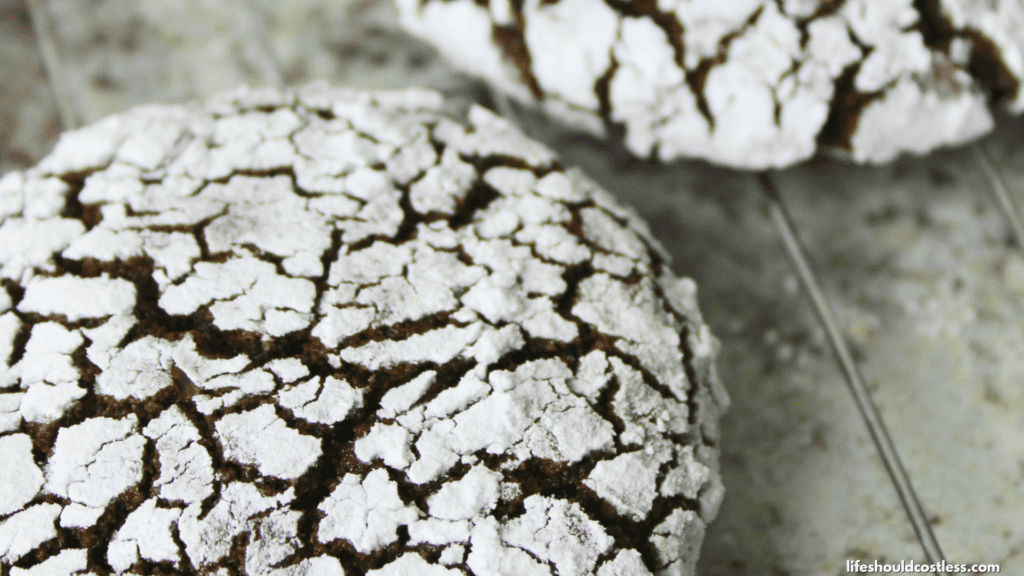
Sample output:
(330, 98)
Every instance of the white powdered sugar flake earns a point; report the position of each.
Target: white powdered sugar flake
(10, 324)
(473, 495)
(24, 531)
(388, 442)
(687, 478)
(559, 532)
(78, 298)
(146, 533)
(186, 470)
(139, 370)
(438, 532)
(288, 369)
(47, 357)
(366, 512)
(27, 243)
(208, 537)
(78, 516)
(453, 554)
(489, 556)
(677, 541)
(67, 563)
(44, 403)
(20, 478)
(10, 415)
(439, 346)
(636, 314)
(245, 293)
(398, 400)
(259, 437)
(105, 339)
(628, 481)
(625, 563)
(326, 403)
(95, 461)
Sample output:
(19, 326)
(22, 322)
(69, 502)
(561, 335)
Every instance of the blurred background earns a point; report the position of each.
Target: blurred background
(914, 255)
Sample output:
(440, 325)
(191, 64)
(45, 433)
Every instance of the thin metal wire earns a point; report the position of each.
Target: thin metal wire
(854, 380)
(42, 27)
(998, 185)
(252, 21)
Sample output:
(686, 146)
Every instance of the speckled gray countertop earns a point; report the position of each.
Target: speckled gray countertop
(914, 254)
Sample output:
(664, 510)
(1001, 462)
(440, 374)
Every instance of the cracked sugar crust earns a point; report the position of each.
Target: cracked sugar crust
(95, 461)
(20, 478)
(333, 332)
(260, 438)
(749, 84)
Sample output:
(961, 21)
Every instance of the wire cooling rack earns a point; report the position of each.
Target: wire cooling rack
(915, 256)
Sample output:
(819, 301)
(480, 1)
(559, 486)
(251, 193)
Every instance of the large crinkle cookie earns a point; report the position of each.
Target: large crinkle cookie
(333, 332)
(746, 83)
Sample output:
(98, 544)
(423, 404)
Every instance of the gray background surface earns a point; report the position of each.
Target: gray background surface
(914, 254)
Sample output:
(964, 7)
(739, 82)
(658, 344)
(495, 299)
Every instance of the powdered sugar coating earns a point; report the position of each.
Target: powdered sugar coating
(625, 563)
(23, 531)
(558, 532)
(629, 482)
(30, 243)
(147, 533)
(259, 437)
(20, 478)
(67, 563)
(366, 512)
(748, 84)
(139, 370)
(475, 494)
(95, 461)
(328, 402)
(207, 537)
(77, 298)
(327, 332)
(677, 540)
(186, 471)
(46, 357)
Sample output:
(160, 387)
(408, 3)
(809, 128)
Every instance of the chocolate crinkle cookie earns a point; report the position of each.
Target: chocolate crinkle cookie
(746, 83)
(332, 332)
